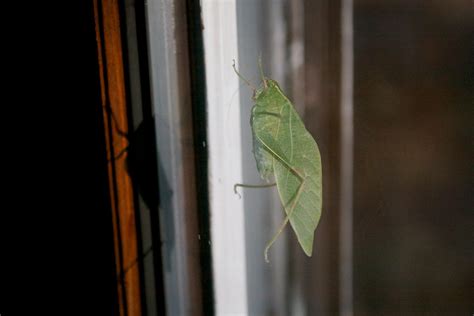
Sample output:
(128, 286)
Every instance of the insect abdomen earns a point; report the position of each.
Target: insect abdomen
(263, 159)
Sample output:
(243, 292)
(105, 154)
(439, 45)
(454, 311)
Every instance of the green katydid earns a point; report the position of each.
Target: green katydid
(286, 151)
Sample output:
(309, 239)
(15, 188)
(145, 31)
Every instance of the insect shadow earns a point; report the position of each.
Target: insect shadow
(147, 175)
(142, 163)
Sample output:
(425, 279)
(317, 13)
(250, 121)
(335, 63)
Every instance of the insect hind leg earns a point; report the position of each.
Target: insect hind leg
(285, 221)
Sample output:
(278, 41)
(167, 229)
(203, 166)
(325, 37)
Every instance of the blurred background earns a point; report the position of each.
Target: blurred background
(413, 198)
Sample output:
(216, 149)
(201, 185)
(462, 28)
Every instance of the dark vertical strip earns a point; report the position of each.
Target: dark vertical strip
(143, 55)
(142, 42)
(347, 161)
(198, 95)
(322, 77)
(147, 110)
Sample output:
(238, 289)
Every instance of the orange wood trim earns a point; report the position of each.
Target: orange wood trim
(113, 96)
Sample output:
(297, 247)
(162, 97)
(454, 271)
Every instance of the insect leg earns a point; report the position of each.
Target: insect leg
(251, 186)
(273, 147)
(285, 222)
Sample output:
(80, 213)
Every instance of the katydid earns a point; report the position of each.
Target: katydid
(285, 151)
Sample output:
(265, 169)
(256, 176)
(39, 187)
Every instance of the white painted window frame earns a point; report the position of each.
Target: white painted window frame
(225, 163)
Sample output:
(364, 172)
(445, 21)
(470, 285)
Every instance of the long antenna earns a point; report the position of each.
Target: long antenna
(242, 77)
(260, 67)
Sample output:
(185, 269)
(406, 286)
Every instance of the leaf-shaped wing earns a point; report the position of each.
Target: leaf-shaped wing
(303, 154)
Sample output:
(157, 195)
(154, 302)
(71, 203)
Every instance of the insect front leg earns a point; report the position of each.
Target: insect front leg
(251, 186)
